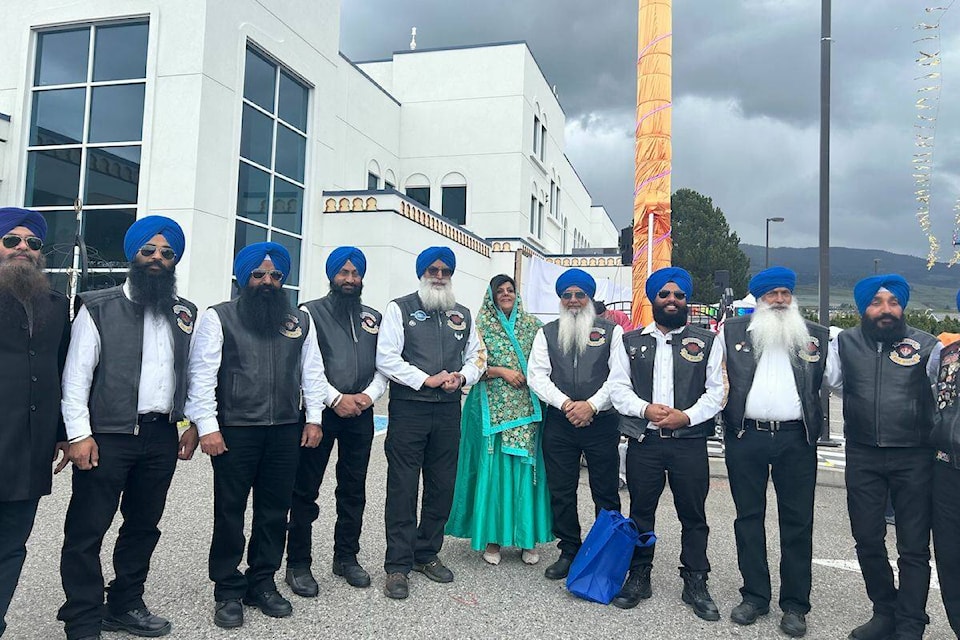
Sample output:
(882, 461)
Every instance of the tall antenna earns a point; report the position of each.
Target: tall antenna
(413, 39)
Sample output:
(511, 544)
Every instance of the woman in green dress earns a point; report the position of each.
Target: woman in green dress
(501, 497)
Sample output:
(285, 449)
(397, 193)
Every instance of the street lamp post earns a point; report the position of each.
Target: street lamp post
(766, 262)
(876, 266)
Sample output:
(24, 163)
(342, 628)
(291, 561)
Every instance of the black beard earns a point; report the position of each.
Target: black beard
(888, 335)
(264, 308)
(670, 320)
(154, 290)
(345, 304)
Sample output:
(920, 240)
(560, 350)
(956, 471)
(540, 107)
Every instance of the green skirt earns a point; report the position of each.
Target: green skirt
(498, 498)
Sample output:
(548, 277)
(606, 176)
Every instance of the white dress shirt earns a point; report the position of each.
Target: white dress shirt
(539, 369)
(627, 402)
(390, 362)
(157, 379)
(206, 352)
(834, 373)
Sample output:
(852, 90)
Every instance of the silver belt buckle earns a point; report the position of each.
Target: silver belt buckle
(668, 432)
(773, 425)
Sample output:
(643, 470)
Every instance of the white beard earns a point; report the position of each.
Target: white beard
(575, 328)
(436, 298)
(778, 329)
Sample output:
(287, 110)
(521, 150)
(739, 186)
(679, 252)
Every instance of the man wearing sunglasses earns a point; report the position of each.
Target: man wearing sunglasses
(124, 388)
(568, 369)
(250, 361)
(667, 383)
(34, 333)
(347, 333)
(429, 349)
(776, 362)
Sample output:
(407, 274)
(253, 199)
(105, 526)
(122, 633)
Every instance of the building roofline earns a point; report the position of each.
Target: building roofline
(372, 81)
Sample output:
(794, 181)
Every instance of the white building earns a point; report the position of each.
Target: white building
(241, 119)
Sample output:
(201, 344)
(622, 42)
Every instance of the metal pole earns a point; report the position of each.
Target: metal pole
(766, 253)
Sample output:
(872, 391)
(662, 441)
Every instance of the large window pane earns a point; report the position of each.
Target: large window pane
(259, 78)
(57, 117)
(61, 234)
(120, 52)
(293, 246)
(62, 57)
(246, 234)
(104, 232)
(291, 153)
(287, 205)
(253, 193)
(53, 177)
(116, 113)
(293, 102)
(256, 137)
(373, 181)
(113, 175)
(454, 205)
(96, 281)
(420, 194)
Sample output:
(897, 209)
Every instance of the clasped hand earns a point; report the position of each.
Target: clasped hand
(445, 380)
(663, 417)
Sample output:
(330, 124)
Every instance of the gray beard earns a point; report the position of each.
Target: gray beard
(574, 330)
(436, 298)
(778, 329)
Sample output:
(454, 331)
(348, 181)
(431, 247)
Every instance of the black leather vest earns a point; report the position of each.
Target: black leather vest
(259, 379)
(808, 366)
(432, 341)
(691, 351)
(116, 380)
(580, 375)
(887, 400)
(945, 436)
(348, 345)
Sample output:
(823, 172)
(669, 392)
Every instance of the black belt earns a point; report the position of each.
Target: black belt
(153, 416)
(773, 425)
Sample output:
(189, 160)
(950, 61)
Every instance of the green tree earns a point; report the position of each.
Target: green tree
(703, 243)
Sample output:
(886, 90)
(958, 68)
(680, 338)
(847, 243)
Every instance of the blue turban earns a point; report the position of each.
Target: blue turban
(866, 289)
(578, 278)
(770, 279)
(141, 231)
(431, 254)
(251, 256)
(11, 217)
(340, 256)
(659, 278)
(958, 300)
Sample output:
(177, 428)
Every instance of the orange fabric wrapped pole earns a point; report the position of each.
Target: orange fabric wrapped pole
(652, 244)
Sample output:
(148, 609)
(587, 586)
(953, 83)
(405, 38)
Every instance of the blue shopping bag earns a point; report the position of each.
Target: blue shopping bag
(598, 571)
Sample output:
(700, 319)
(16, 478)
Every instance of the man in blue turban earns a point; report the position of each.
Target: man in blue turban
(33, 223)
(770, 279)
(123, 394)
(252, 360)
(667, 425)
(428, 347)
(568, 368)
(347, 331)
(885, 368)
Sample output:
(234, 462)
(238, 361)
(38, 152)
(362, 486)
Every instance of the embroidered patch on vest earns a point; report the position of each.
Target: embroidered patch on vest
(419, 315)
(943, 456)
(742, 346)
(811, 351)
(290, 327)
(368, 322)
(692, 349)
(598, 337)
(184, 318)
(456, 321)
(632, 352)
(947, 378)
(906, 352)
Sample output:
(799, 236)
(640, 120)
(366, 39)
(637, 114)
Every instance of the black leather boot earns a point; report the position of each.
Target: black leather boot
(696, 595)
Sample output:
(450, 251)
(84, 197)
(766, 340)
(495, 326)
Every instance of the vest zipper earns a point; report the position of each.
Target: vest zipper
(443, 358)
(876, 393)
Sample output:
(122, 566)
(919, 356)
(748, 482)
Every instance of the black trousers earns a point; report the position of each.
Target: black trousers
(422, 437)
(262, 460)
(752, 460)
(354, 437)
(135, 472)
(946, 538)
(16, 523)
(907, 474)
(563, 444)
(683, 461)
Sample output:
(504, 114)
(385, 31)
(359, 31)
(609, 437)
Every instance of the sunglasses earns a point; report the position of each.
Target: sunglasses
(679, 295)
(166, 253)
(579, 295)
(437, 271)
(12, 241)
(274, 274)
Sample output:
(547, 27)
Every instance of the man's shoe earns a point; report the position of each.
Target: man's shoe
(396, 586)
(636, 588)
(696, 595)
(139, 622)
(301, 582)
(96, 637)
(794, 624)
(435, 571)
(270, 603)
(559, 569)
(228, 614)
(353, 573)
(747, 612)
(877, 628)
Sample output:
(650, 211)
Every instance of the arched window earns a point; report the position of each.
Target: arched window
(563, 237)
(417, 187)
(453, 204)
(373, 175)
(389, 179)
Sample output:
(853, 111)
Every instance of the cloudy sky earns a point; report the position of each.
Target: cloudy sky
(746, 102)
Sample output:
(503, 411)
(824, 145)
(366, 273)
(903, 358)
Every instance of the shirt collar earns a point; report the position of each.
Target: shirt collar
(654, 330)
